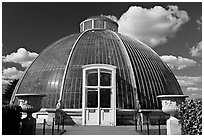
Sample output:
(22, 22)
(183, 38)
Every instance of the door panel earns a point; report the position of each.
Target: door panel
(92, 116)
(106, 117)
(106, 113)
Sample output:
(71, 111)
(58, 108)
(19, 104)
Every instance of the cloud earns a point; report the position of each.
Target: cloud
(186, 81)
(193, 89)
(196, 51)
(177, 62)
(152, 26)
(5, 82)
(191, 86)
(194, 94)
(10, 74)
(112, 17)
(22, 56)
(199, 23)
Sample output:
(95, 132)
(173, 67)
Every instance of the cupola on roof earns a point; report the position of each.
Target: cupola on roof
(98, 22)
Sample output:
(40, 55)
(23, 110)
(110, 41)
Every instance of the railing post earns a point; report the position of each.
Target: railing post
(53, 126)
(44, 121)
(63, 123)
(159, 127)
(58, 124)
(147, 125)
(140, 123)
(135, 121)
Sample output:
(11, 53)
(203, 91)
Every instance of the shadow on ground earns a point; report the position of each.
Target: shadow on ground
(152, 132)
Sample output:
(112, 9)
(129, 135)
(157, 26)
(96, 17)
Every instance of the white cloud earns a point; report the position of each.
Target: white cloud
(193, 89)
(5, 82)
(177, 62)
(22, 56)
(152, 26)
(199, 23)
(10, 74)
(186, 81)
(194, 94)
(191, 85)
(196, 51)
(114, 18)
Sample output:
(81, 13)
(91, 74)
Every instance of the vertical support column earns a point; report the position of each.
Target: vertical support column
(114, 93)
(159, 126)
(83, 26)
(147, 125)
(53, 126)
(104, 24)
(141, 121)
(44, 121)
(135, 121)
(92, 24)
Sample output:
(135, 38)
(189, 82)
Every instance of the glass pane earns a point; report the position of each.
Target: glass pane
(98, 24)
(105, 79)
(92, 78)
(92, 99)
(105, 98)
(87, 25)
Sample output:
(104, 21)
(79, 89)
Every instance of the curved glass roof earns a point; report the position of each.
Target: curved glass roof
(57, 71)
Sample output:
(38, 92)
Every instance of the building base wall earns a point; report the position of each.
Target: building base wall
(74, 116)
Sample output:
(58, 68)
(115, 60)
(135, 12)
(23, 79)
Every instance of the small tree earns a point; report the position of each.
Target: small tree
(6, 96)
(11, 118)
(190, 114)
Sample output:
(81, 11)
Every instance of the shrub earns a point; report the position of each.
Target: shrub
(11, 118)
(190, 114)
(6, 96)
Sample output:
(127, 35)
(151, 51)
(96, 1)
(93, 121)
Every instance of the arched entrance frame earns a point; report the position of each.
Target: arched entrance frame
(99, 95)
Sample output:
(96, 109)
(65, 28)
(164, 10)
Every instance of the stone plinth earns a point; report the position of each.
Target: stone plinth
(170, 106)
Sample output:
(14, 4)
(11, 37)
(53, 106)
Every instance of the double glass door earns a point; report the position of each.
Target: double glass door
(99, 96)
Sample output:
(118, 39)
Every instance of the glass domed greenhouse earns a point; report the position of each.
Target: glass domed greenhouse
(97, 75)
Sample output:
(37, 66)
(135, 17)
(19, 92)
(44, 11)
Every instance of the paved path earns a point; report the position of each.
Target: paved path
(100, 130)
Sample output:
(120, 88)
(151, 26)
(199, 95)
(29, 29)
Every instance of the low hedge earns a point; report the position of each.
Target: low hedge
(11, 119)
(190, 114)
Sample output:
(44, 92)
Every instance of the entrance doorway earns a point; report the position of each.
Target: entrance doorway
(99, 95)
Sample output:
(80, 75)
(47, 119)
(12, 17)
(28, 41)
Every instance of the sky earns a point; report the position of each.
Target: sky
(172, 29)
